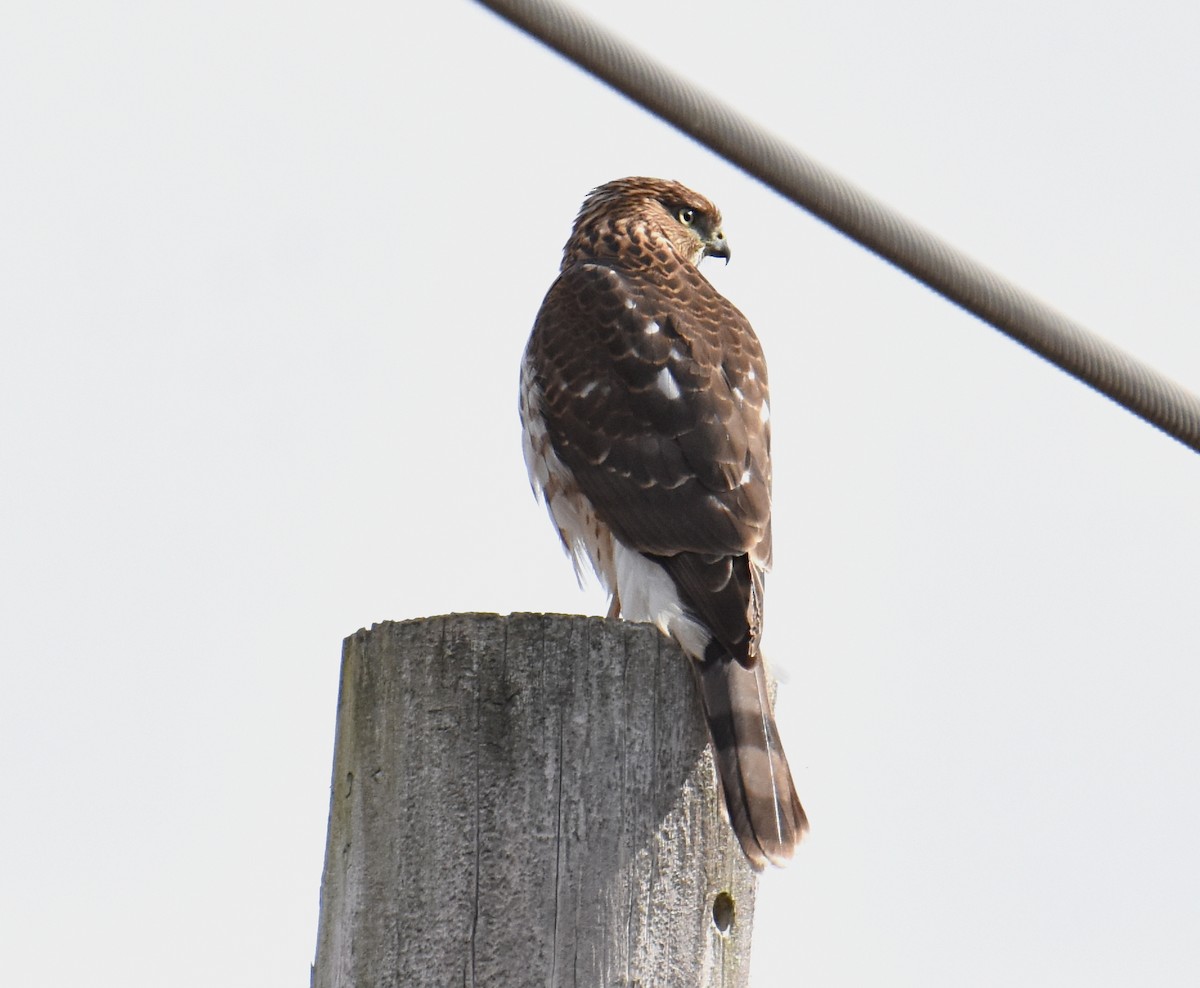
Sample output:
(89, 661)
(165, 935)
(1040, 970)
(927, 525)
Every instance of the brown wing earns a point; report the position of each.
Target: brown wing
(653, 393)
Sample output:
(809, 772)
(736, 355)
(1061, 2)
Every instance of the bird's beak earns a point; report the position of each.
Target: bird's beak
(718, 246)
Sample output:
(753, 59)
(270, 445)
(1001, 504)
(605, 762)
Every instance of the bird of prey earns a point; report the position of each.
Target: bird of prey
(646, 433)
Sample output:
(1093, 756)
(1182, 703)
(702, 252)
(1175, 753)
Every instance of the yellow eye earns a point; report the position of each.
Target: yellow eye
(686, 216)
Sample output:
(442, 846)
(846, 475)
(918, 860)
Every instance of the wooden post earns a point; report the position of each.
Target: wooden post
(526, 800)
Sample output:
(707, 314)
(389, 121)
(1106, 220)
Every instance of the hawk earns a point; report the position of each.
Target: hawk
(645, 417)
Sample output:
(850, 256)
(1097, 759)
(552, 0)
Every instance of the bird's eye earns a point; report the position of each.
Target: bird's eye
(686, 216)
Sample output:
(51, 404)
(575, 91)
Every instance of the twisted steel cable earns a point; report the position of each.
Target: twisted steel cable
(872, 223)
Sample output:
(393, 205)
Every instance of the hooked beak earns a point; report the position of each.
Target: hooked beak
(718, 246)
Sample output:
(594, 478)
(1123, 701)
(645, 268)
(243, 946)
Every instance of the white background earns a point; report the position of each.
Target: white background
(266, 271)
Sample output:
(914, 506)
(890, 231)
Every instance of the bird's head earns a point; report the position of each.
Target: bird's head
(687, 220)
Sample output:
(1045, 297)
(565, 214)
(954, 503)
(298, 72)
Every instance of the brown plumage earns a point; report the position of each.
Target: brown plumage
(644, 404)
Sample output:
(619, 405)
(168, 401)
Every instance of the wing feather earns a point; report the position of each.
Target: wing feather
(679, 468)
(689, 473)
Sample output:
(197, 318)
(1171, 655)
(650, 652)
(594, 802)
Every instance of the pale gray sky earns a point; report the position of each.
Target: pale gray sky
(266, 271)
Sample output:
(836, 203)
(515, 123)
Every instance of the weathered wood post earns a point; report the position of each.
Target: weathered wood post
(526, 800)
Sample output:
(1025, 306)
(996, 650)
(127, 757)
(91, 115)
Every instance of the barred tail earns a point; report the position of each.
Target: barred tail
(760, 797)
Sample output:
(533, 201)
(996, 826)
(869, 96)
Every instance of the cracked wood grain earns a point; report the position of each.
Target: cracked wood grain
(526, 800)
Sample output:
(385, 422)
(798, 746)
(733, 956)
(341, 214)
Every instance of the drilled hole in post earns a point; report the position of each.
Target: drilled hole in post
(722, 912)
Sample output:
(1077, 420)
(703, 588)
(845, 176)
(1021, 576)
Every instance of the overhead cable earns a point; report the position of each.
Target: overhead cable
(873, 224)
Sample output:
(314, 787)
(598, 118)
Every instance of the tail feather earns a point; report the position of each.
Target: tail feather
(760, 796)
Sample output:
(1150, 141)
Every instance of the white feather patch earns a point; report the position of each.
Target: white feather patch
(666, 383)
(649, 594)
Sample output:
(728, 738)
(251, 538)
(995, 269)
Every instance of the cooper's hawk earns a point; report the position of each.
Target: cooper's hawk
(644, 405)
